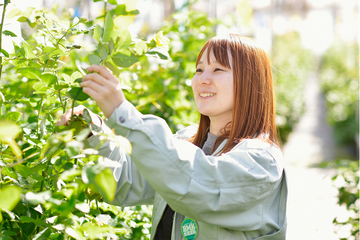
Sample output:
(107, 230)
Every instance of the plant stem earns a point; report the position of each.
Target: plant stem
(1, 29)
(72, 111)
(48, 165)
(105, 4)
(61, 101)
(38, 117)
(67, 31)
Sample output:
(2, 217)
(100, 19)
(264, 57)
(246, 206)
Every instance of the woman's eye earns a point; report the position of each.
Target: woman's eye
(198, 70)
(218, 69)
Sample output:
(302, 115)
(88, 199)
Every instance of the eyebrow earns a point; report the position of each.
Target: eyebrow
(215, 62)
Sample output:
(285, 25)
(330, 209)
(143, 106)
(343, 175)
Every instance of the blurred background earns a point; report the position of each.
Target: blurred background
(314, 48)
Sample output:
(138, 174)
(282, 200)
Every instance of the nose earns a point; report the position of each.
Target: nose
(205, 77)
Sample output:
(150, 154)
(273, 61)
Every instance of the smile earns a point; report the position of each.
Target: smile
(207, 94)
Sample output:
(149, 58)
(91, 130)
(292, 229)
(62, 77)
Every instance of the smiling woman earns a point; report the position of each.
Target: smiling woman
(242, 74)
(238, 189)
(213, 91)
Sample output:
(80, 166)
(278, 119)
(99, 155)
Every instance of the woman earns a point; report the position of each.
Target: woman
(227, 180)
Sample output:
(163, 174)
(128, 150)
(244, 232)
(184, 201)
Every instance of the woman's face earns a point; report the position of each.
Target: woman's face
(213, 89)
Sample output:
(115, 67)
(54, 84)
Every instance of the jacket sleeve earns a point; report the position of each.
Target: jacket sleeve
(132, 188)
(231, 191)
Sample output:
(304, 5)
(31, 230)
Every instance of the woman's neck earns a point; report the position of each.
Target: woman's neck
(217, 124)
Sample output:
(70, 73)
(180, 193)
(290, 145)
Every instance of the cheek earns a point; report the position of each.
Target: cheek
(193, 84)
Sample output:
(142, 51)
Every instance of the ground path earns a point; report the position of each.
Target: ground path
(312, 197)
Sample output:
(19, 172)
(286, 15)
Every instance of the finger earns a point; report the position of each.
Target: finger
(61, 121)
(65, 118)
(102, 70)
(58, 123)
(91, 92)
(93, 85)
(96, 78)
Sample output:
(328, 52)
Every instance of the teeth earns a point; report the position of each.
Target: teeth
(207, 94)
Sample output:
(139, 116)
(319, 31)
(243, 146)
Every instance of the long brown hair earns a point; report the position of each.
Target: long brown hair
(253, 115)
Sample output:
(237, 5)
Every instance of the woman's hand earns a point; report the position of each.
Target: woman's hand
(65, 118)
(104, 88)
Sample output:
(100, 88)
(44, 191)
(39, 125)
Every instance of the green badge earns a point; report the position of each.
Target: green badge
(189, 229)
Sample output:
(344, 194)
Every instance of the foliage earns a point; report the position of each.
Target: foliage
(165, 86)
(339, 77)
(347, 172)
(52, 185)
(291, 66)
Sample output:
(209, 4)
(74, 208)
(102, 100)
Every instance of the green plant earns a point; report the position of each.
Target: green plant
(165, 86)
(291, 66)
(347, 174)
(51, 185)
(339, 78)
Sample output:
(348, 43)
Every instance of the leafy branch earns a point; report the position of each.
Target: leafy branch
(1, 33)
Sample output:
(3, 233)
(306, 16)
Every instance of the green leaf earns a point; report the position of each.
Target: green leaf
(123, 39)
(9, 197)
(6, 54)
(141, 47)
(162, 53)
(70, 174)
(8, 233)
(111, 46)
(15, 12)
(50, 52)
(98, 32)
(2, 98)
(40, 87)
(106, 184)
(87, 116)
(89, 172)
(26, 219)
(61, 86)
(75, 76)
(9, 33)
(27, 228)
(30, 73)
(73, 148)
(13, 116)
(108, 27)
(44, 234)
(94, 59)
(123, 60)
(120, 10)
(23, 170)
(83, 20)
(77, 93)
(103, 52)
(25, 19)
(22, 19)
(28, 52)
(48, 78)
(83, 134)
(113, 68)
(113, 2)
(43, 127)
(8, 129)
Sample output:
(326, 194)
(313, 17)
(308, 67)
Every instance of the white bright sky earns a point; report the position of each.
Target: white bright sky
(317, 30)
